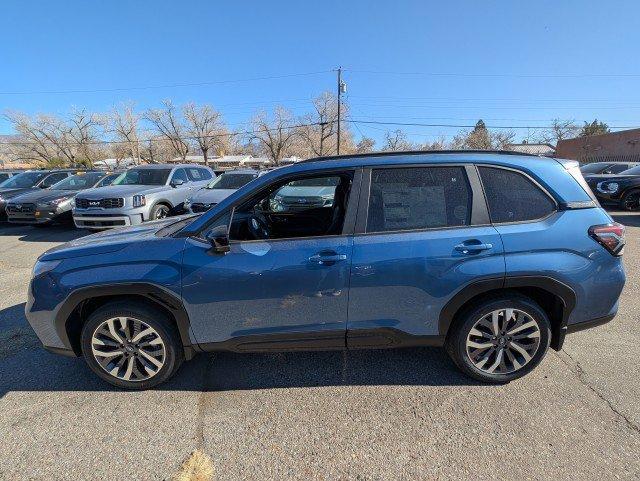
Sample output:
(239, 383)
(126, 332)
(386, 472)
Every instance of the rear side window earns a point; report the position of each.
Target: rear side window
(512, 197)
(196, 174)
(418, 198)
(54, 178)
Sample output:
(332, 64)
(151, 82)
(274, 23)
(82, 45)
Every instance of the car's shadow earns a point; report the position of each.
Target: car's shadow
(631, 219)
(25, 366)
(46, 233)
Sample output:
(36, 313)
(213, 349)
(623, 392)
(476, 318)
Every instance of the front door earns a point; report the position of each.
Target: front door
(284, 283)
(417, 248)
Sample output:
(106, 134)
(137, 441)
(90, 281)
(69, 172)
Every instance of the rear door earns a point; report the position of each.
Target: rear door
(422, 234)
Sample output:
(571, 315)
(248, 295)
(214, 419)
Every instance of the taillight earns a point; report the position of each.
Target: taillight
(610, 236)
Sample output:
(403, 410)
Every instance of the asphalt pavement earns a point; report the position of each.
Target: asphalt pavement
(388, 414)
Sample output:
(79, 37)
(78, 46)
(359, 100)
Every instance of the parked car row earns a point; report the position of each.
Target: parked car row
(614, 183)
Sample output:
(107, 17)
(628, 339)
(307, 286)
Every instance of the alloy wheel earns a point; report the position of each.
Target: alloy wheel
(128, 349)
(503, 341)
(161, 213)
(632, 201)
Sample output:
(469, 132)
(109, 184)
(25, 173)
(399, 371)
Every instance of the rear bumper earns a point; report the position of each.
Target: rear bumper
(581, 326)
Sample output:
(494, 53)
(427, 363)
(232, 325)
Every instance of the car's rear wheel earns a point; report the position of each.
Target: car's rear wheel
(631, 200)
(500, 339)
(131, 345)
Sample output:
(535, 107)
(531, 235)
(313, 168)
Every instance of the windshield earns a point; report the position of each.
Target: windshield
(144, 177)
(632, 171)
(592, 168)
(316, 182)
(231, 181)
(24, 180)
(78, 181)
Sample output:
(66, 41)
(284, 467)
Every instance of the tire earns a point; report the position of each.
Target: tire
(159, 211)
(531, 342)
(631, 200)
(153, 357)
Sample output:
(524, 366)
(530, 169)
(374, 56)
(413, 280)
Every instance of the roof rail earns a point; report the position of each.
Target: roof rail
(419, 152)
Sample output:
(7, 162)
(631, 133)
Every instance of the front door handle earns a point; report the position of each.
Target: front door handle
(472, 248)
(327, 259)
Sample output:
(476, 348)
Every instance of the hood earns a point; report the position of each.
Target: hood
(121, 191)
(595, 178)
(307, 191)
(108, 241)
(44, 195)
(211, 196)
(11, 193)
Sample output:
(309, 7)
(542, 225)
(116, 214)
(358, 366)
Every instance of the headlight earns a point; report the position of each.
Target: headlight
(56, 202)
(608, 187)
(139, 200)
(42, 267)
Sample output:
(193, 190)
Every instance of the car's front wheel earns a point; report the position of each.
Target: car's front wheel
(500, 339)
(631, 200)
(131, 345)
(159, 211)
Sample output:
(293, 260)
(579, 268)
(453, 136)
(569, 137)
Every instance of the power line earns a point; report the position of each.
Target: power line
(461, 126)
(497, 75)
(174, 85)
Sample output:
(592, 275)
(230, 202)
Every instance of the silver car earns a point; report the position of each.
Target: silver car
(142, 193)
(220, 188)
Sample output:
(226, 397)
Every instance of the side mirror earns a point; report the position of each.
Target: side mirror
(176, 182)
(607, 171)
(219, 239)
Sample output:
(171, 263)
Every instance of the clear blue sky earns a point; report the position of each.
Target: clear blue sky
(509, 62)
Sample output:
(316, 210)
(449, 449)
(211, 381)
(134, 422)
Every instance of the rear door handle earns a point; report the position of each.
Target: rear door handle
(470, 248)
(327, 258)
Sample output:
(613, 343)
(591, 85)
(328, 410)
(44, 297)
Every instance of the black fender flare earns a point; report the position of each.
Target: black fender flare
(563, 291)
(153, 292)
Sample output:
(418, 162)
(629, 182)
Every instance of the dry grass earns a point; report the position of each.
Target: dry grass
(197, 467)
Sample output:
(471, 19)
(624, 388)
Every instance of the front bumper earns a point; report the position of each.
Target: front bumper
(39, 216)
(99, 220)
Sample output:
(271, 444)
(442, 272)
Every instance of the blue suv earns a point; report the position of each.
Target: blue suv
(494, 256)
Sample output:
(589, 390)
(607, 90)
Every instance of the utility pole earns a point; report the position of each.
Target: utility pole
(342, 88)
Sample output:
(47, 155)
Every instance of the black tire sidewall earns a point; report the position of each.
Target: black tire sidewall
(149, 315)
(156, 208)
(623, 202)
(456, 343)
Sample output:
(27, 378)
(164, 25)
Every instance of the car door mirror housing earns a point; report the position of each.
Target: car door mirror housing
(176, 182)
(219, 239)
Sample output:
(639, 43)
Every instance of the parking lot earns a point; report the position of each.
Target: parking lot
(335, 415)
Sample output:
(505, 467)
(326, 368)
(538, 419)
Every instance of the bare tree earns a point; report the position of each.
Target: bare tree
(319, 132)
(49, 138)
(559, 130)
(397, 141)
(165, 120)
(365, 145)
(275, 135)
(124, 124)
(205, 126)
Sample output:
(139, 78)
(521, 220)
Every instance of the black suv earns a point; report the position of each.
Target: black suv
(621, 189)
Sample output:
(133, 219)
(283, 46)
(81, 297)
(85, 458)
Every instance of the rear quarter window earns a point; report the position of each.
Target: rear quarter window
(513, 197)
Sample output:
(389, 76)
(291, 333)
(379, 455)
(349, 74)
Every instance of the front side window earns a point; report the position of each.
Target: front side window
(306, 207)
(418, 198)
(512, 197)
(594, 168)
(231, 181)
(53, 179)
(78, 181)
(180, 174)
(144, 177)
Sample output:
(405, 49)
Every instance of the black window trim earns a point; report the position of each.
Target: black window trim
(479, 209)
(530, 178)
(349, 218)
